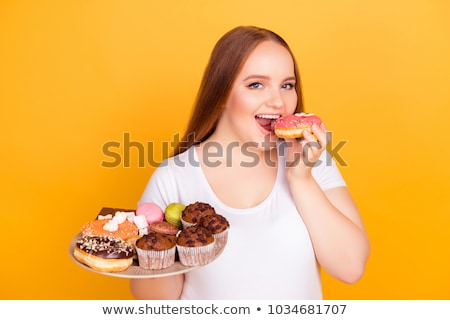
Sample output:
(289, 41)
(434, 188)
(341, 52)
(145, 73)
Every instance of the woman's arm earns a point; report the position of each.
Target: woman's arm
(163, 288)
(333, 221)
(338, 236)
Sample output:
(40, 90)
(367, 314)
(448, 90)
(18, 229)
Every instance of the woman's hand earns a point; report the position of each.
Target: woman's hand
(302, 155)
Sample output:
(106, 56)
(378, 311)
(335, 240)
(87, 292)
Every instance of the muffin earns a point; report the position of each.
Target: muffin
(156, 250)
(218, 225)
(193, 212)
(195, 246)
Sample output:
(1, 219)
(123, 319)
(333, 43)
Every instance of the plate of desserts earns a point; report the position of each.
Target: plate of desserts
(150, 242)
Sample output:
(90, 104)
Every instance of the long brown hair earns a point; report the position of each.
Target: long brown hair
(227, 58)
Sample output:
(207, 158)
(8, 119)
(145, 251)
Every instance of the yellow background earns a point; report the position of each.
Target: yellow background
(75, 75)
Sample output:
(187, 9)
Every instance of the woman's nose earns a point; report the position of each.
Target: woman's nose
(275, 99)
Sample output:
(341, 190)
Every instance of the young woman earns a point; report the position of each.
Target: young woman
(289, 209)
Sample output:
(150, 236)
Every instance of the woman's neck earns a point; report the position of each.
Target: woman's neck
(237, 153)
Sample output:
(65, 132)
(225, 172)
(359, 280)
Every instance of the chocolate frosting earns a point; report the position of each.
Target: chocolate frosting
(156, 241)
(105, 247)
(215, 223)
(195, 236)
(193, 212)
(111, 211)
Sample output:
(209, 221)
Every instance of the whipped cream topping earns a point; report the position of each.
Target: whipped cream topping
(120, 217)
(143, 231)
(140, 221)
(111, 226)
(105, 217)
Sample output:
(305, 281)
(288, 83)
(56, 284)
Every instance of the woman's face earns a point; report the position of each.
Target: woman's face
(263, 90)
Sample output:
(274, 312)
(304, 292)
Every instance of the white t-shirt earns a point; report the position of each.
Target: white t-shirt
(268, 255)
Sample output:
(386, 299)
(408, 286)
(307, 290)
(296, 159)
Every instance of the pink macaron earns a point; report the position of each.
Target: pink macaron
(151, 211)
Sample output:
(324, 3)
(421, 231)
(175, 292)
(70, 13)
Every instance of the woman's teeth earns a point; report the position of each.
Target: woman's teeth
(268, 116)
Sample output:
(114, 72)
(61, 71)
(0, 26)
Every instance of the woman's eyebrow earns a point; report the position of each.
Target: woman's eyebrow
(258, 76)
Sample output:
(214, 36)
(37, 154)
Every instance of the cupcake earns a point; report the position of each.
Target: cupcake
(218, 225)
(195, 246)
(156, 250)
(193, 212)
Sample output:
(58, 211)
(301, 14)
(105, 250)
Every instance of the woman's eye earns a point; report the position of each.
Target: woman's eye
(288, 86)
(255, 85)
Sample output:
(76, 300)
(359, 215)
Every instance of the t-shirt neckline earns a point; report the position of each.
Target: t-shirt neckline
(226, 207)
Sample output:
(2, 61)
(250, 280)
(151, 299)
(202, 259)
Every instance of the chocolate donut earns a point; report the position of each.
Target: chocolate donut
(104, 253)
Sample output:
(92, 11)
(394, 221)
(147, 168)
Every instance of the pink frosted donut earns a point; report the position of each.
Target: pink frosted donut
(293, 125)
(151, 211)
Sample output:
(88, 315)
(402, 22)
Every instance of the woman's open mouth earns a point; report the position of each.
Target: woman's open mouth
(265, 121)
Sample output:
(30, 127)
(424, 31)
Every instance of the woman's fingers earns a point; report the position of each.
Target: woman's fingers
(308, 149)
(294, 151)
(317, 134)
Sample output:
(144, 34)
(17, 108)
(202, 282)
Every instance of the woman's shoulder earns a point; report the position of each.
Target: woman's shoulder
(181, 166)
(186, 159)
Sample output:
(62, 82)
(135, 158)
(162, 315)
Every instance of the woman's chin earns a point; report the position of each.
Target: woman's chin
(266, 142)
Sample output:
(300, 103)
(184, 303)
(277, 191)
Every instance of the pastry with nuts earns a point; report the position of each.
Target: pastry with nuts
(104, 253)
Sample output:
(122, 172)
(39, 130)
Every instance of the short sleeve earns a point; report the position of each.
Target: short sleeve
(327, 173)
(158, 189)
